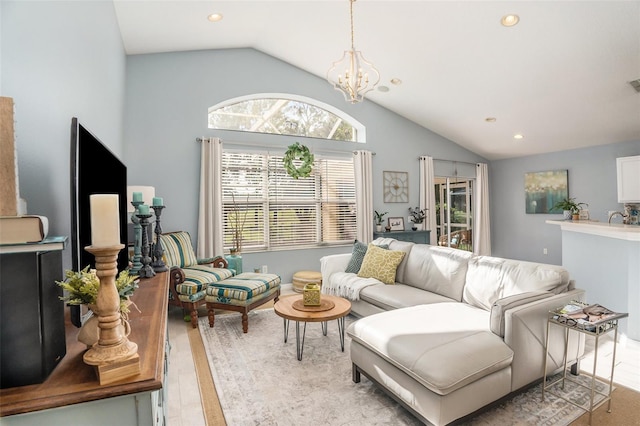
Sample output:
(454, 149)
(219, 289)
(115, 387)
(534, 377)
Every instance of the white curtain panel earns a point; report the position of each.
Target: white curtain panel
(362, 166)
(482, 228)
(428, 196)
(210, 227)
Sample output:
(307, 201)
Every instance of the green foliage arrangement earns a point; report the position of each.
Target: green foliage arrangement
(298, 152)
(82, 287)
(569, 204)
(417, 215)
(378, 216)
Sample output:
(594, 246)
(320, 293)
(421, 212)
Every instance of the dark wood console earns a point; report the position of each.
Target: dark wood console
(73, 383)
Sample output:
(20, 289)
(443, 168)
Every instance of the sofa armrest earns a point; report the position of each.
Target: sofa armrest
(525, 331)
(215, 262)
(333, 263)
(501, 306)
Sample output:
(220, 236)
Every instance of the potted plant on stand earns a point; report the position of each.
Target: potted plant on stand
(570, 208)
(417, 216)
(377, 217)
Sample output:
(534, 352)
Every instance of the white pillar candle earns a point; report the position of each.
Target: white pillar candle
(105, 220)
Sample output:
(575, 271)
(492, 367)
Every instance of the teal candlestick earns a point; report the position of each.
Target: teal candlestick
(137, 244)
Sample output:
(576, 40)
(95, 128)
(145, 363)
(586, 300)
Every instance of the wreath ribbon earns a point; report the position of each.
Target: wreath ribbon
(301, 153)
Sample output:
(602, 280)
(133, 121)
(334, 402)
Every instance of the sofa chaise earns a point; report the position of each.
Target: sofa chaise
(446, 332)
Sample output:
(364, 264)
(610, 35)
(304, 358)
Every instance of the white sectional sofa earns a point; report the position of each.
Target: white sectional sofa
(454, 332)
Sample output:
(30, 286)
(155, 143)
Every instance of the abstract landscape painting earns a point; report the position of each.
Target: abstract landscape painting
(544, 189)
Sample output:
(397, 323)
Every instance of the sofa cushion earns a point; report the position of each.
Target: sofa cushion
(441, 270)
(444, 346)
(380, 264)
(357, 256)
(492, 278)
(178, 249)
(404, 246)
(399, 296)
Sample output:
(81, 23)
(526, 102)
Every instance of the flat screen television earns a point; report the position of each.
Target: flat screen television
(94, 170)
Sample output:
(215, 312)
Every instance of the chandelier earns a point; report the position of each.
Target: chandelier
(352, 74)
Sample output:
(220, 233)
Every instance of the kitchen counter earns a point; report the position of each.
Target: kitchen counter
(611, 230)
(604, 260)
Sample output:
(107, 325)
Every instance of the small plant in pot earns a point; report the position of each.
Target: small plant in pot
(570, 208)
(417, 216)
(378, 218)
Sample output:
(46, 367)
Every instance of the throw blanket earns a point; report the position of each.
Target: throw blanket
(347, 285)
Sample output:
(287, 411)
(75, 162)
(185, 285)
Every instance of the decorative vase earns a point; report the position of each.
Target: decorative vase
(89, 333)
(387, 228)
(566, 214)
(378, 228)
(311, 294)
(234, 259)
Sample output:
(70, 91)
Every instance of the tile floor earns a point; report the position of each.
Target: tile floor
(185, 409)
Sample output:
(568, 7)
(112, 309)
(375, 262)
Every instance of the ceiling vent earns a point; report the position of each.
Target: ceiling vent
(635, 84)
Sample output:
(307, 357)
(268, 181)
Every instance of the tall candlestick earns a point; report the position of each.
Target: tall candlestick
(105, 220)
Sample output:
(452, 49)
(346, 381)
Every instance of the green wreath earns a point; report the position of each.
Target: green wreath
(301, 153)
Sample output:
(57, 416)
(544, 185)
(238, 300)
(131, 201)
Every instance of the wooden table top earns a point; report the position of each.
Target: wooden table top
(284, 308)
(73, 381)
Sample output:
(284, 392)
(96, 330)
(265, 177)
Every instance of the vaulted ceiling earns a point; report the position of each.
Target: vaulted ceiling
(560, 77)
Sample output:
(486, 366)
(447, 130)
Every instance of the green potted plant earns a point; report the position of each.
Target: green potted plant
(81, 288)
(377, 217)
(570, 208)
(417, 216)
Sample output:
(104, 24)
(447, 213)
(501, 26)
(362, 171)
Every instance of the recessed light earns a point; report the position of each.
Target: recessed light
(518, 136)
(396, 81)
(215, 17)
(383, 89)
(490, 119)
(510, 20)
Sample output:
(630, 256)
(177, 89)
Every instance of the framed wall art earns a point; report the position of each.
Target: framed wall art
(395, 187)
(396, 223)
(544, 189)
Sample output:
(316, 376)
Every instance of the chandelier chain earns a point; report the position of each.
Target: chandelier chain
(352, 32)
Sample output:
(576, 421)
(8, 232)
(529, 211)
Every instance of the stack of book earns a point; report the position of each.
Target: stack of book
(584, 316)
(27, 233)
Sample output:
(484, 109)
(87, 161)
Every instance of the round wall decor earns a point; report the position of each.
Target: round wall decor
(301, 153)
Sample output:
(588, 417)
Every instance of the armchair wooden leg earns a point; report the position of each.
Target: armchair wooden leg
(245, 322)
(212, 317)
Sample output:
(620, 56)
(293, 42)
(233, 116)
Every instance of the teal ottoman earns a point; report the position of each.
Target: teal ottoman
(242, 293)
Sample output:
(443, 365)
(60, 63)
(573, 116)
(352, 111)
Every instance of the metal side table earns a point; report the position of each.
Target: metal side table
(597, 330)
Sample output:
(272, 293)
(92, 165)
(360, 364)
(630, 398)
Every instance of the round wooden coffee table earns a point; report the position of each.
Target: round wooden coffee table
(331, 308)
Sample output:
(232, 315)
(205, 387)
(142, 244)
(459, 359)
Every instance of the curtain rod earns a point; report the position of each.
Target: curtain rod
(452, 161)
(281, 147)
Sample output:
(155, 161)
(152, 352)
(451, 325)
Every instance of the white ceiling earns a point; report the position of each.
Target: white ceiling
(560, 77)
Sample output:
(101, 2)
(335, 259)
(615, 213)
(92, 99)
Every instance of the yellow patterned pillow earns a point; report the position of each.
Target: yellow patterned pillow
(381, 264)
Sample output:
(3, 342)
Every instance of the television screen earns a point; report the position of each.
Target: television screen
(94, 170)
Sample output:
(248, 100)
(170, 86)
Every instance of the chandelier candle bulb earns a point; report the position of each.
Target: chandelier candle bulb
(105, 220)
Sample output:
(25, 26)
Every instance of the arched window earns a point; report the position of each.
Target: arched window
(285, 114)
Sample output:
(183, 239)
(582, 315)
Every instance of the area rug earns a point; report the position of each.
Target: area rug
(259, 381)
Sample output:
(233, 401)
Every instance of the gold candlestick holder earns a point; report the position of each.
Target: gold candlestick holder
(114, 356)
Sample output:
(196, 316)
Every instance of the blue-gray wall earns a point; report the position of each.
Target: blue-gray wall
(167, 99)
(592, 180)
(60, 60)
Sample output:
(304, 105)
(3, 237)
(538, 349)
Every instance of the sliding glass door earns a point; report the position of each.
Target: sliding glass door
(454, 212)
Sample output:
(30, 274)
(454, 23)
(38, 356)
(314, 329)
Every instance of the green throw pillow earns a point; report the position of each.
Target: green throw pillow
(381, 264)
(357, 255)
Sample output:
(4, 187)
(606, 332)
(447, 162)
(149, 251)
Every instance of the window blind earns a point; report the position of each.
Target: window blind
(281, 212)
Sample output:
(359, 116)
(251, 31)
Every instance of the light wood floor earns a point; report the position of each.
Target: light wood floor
(185, 408)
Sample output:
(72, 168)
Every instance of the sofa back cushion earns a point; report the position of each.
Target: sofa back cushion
(394, 244)
(440, 270)
(492, 278)
(178, 249)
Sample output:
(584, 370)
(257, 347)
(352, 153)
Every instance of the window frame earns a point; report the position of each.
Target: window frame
(361, 136)
(318, 202)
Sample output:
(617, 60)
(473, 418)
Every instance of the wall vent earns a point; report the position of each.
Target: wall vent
(635, 84)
